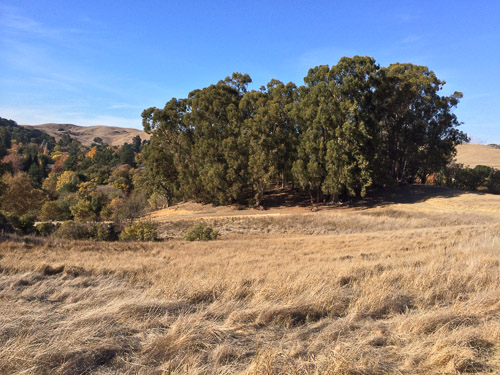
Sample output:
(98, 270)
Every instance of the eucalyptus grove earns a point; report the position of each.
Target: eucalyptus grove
(348, 127)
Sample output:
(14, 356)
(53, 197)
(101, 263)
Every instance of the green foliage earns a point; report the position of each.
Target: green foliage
(72, 230)
(493, 182)
(351, 125)
(26, 224)
(120, 178)
(73, 167)
(102, 232)
(45, 229)
(418, 131)
(137, 144)
(268, 132)
(52, 210)
(131, 208)
(23, 224)
(5, 223)
(197, 143)
(84, 211)
(201, 232)
(157, 201)
(11, 133)
(479, 178)
(140, 231)
(127, 155)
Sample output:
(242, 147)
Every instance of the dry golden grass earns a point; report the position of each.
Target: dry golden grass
(471, 155)
(400, 289)
(111, 135)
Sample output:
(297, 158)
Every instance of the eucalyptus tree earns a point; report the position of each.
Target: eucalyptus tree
(218, 153)
(314, 115)
(164, 154)
(196, 148)
(270, 133)
(335, 112)
(350, 152)
(417, 131)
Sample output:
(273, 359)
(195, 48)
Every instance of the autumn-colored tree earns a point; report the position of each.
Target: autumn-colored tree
(67, 181)
(92, 153)
(19, 195)
(15, 160)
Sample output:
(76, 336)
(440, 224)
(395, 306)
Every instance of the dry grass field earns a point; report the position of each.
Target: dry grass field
(110, 135)
(471, 155)
(408, 286)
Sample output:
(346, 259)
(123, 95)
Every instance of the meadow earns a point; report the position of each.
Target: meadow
(406, 286)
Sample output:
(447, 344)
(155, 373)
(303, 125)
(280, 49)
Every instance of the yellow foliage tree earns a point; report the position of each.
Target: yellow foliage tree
(92, 153)
(19, 196)
(66, 178)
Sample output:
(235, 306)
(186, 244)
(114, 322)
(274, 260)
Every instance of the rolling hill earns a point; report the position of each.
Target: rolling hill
(471, 155)
(111, 135)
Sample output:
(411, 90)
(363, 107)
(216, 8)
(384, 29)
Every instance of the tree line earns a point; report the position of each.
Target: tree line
(42, 179)
(348, 127)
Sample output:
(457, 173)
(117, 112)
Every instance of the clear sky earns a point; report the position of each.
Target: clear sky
(102, 62)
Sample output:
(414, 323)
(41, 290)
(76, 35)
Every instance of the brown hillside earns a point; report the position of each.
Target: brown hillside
(471, 155)
(111, 135)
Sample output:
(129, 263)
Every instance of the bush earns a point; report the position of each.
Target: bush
(102, 232)
(140, 231)
(200, 232)
(55, 210)
(21, 225)
(84, 211)
(45, 229)
(72, 230)
(5, 224)
(131, 208)
(157, 201)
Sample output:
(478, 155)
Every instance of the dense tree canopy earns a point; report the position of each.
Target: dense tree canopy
(348, 127)
(64, 180)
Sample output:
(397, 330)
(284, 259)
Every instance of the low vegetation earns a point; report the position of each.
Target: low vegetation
(402, 288)
(140, 231)
(201, 232)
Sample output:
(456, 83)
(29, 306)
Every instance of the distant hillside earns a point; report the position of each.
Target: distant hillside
(111, 135)
(471, 155)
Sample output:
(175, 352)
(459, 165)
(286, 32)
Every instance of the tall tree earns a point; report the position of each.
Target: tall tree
(350, 151)
(269, 132)
(417, 130)
(335, 143)
(315, 118)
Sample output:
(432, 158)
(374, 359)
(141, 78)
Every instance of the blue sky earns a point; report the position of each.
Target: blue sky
(103, 62)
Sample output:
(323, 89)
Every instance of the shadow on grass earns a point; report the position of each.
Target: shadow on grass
(411, 193)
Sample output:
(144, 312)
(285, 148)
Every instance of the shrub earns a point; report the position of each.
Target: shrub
(131, 208)
(157, 201)
(72, 230)
(140, 231)
(84, 211)
(55, 210)
(5, 224)
(21, 225)
(45, 229)
(102, 232)
(201, 232)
